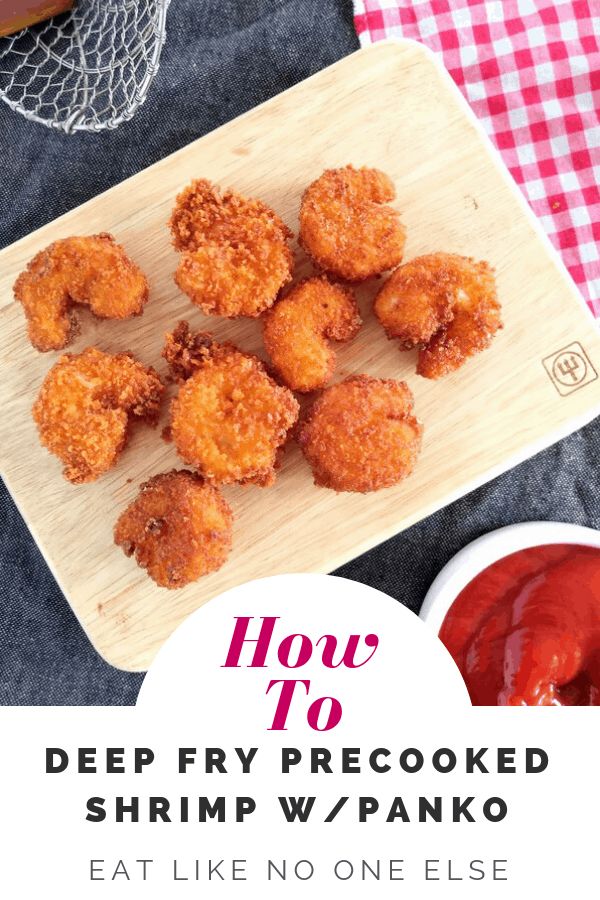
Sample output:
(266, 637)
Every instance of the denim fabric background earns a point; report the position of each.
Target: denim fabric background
(221, 58)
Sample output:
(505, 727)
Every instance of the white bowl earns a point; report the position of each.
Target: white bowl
(489, 548)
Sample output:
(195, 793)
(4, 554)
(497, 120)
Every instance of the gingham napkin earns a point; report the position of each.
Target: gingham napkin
(531, 71)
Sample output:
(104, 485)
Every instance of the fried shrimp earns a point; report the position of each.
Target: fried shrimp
(178, 527)
(298, 329)
(345, 226)
(90, 271)
(84, 407)
(235, 256)
(444, 304)
(361, 434)
(230, 417)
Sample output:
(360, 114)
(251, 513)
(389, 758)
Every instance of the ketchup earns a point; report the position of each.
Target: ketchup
(526, 630)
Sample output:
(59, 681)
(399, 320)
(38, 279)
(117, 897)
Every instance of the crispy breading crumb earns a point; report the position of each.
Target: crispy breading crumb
(185, 350)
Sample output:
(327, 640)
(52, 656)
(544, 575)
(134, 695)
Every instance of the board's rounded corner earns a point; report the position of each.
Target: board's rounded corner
(110, 655)
(397, 46)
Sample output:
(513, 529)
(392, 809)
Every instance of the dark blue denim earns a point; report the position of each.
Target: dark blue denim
(221, 58)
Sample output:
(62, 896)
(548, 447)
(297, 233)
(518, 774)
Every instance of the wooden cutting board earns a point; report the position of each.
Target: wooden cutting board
(390, 106)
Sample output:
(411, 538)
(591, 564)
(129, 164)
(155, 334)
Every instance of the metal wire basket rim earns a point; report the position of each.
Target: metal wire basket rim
(72, 124)
(100, 70)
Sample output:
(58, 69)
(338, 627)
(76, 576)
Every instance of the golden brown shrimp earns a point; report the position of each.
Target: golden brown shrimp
(178, 527)
(91, 271)
(230, 417)
(361, 434)
(346, 227)
(297, 331)
(84, 407)
(235, 256)
(444, 304)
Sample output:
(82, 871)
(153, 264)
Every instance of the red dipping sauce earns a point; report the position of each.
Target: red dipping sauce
(526, 630)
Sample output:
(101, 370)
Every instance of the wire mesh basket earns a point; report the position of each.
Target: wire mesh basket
(86, 70)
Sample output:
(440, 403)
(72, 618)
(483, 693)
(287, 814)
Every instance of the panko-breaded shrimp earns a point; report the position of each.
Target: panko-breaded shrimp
(298, 329)
(235, 254)
(361, 434)
(444, 304)
(84, 406)
(90, 271)
(230, 417)
(178, 527)
(346, 227)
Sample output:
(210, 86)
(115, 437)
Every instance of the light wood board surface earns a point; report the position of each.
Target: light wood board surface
(388, 106)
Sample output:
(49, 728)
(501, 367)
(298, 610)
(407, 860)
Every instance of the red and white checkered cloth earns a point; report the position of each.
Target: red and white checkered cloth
(531, 71)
